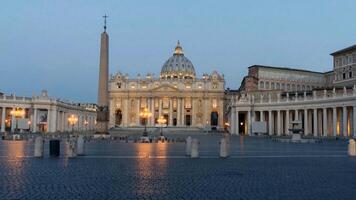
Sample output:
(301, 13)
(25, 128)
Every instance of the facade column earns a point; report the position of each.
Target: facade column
(3, 112)
(170, 112)
(315, 122)
(296, 115)
(278, 122)
(63, 121)
(183, 108)
(159, 107)
(249, 123)
(153, 111)
(325, 122)
(334, 121)
(270, 122)
(287, 123)
(344, 121)
(53, 120)
(261, 116)
(306, 132)
(192, 111)
(179, 111)
(138, 112)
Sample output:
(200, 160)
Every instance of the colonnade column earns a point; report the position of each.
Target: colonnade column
(344, 120)
(138, 112)
(34, 122)
(296, 116)
(13, 119)
(3, 119)
(249, 123)
(354, 123)
(325, 121)
(170, 123)
(261, 116)
(334, 121)
(270, 121)
(233, 120)
(236, 122)
(278, 122)
(287, 123)
(183, 108)
(306, 122)
(315, 122)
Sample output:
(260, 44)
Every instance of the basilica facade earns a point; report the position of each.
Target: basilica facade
(178, 95)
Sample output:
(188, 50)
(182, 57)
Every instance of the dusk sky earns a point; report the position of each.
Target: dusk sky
(54, 45)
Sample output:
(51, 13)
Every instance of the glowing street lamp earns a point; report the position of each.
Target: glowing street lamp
(161, 120)
(72, 121)
(145, 114)
(17, 113)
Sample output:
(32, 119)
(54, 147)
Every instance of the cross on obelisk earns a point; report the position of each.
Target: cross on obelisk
(105, 16)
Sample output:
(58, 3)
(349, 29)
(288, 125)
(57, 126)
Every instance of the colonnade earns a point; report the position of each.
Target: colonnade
(321, 113)
(318, 121)
(56, 120)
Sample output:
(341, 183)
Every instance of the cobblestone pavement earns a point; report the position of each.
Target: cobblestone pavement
(257, 169)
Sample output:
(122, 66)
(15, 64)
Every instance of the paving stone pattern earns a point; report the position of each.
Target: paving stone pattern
(258, 169)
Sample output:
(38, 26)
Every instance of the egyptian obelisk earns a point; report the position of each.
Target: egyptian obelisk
(102, 118)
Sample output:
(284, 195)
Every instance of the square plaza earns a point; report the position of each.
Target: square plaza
(258, 168)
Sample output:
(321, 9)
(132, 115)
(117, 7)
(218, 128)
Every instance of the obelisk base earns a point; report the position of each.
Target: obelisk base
(102, 123)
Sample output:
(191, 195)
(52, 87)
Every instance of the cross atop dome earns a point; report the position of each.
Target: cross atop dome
(178, 50)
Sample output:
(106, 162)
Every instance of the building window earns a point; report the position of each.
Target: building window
(344, 75)
(118, 85)
(262, 84)
(350, 74)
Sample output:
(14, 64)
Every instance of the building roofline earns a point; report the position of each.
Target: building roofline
(287, 68)
(344, 50)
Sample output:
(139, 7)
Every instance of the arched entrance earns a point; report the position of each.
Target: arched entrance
(118, 117)
(214, 119)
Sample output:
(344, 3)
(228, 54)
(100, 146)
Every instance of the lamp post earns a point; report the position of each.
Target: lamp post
(161, 120)
(17, 113)
(72, 120)
(145, 114)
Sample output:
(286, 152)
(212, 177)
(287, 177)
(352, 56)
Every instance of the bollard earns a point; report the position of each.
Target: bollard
(71, 148)
(80, 145)
(224, 148)
(188, 146)
(195, 149)
(352, 148)
(39, 147)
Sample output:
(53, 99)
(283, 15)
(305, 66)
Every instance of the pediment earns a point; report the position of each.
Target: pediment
(165, 88)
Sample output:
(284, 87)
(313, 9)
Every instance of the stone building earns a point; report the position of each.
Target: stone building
(44, 114)
(324, 103)
(178, 95)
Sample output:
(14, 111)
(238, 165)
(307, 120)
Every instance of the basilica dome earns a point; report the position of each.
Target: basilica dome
(178, 66)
